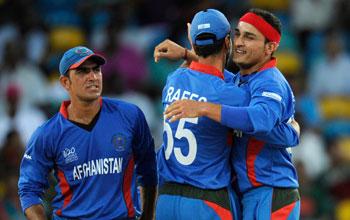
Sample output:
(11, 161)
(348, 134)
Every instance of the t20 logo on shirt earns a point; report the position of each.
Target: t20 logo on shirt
(69, 155)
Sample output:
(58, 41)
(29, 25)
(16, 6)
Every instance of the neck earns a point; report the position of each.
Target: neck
(214, 61)
(254, 68)
(83, 112)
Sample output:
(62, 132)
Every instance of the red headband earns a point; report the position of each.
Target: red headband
(265, 28)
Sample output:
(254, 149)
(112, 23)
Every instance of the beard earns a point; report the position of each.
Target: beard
(244, 66)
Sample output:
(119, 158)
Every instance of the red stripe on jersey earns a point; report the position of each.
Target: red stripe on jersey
(270, 64)
(65, 104)
(220, 211)
(211, 70)
(65, 190)
(127, 188)
(283, 213)
(63, 108)
(254, 148)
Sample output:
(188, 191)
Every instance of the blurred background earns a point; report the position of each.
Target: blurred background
(313, 55)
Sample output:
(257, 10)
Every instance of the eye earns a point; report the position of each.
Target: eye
(97, 69)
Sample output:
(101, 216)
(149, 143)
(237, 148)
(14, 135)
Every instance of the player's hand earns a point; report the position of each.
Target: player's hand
(169, 50)
(184, 109)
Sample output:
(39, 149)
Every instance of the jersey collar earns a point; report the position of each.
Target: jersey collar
(270, 64)
(65, 104)
(203, 68)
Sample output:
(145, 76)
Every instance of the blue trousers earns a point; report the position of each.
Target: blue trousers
(181, 202)
(265, 203)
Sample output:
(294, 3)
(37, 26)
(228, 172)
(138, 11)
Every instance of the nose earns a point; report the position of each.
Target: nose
(238, 41)
(92, 74)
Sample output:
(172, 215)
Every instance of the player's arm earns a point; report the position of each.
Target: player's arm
(33, 179)
(148, 200)
(145, 165)
(283, 135)
(286, 134)
(172, 51)
(35, 212)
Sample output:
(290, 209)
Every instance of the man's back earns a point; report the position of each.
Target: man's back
(196, 150)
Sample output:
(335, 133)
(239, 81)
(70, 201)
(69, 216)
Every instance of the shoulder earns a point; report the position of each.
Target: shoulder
(177, 72)
(229, 76)
(270, 78)
(47, 130)
(123, 107)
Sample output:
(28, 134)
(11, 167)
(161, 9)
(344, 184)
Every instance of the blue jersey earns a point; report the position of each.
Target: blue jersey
(94, 169)
(256, 161)
(196, 151)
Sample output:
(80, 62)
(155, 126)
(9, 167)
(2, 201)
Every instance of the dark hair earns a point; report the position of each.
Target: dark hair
(270, 18)
(211, 49)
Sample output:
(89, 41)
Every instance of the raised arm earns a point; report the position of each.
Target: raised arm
(170, 50)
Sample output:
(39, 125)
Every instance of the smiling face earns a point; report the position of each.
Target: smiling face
(84, 83)
(250, 49)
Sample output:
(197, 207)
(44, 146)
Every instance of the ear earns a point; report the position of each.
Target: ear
(271, 47)
(228, 43)
(189, 33)
(65, 82)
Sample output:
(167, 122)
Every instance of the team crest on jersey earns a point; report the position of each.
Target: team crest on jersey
(118, 141)
(69, 155)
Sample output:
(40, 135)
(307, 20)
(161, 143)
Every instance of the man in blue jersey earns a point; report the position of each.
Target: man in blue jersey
(193, 160)
(266, 175)
(99, 149)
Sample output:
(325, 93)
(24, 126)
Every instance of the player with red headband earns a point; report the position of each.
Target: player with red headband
(267, 178)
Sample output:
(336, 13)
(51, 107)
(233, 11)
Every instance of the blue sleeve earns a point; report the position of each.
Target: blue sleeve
(282, 135)
(144, 152)
(36, 164)
(228, 76)
(230, 94)
(262, 114)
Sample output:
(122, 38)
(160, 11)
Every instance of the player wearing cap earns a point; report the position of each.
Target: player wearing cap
(266, 175)
(98, 148)
(193, 162)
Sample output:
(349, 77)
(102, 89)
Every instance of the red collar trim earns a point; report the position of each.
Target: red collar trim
(200, 67)
(65, 104)
(272, 63)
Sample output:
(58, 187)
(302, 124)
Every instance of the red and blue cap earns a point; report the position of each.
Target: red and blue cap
(75, 56)
(209, 21)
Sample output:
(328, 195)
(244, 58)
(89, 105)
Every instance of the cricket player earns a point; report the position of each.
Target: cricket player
(194, 160)
(99, 150)
(266, 176)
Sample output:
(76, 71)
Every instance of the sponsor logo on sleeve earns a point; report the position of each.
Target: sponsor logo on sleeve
(272, 95)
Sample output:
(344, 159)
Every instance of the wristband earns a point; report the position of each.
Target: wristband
(185, 55)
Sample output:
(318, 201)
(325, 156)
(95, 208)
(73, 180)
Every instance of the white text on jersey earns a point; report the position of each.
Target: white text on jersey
(98, 167)
(173, 95)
